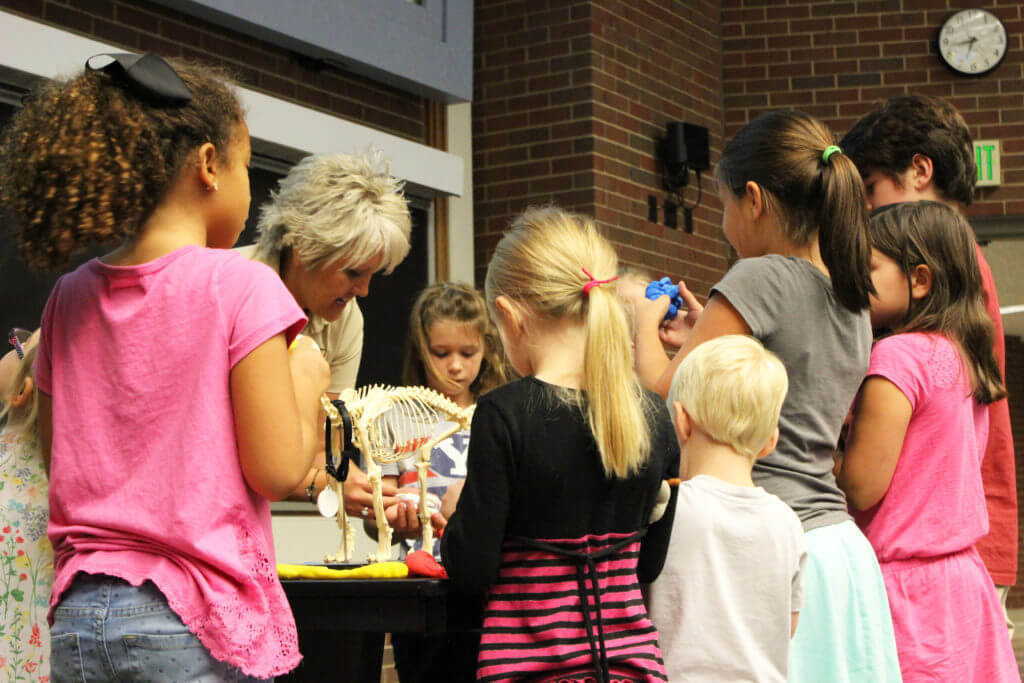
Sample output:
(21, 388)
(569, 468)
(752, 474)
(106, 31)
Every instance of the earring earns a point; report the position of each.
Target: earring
(213, 187)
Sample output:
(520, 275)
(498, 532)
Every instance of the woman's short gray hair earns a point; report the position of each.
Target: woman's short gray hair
(337, 207)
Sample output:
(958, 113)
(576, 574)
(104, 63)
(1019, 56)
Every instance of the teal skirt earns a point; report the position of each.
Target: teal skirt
(845, 632)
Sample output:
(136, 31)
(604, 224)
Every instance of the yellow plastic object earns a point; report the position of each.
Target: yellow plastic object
(380, 570)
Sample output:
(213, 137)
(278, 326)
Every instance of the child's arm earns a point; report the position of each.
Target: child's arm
(653, 365)
(880, 422)
(794, 617)
(275, 401)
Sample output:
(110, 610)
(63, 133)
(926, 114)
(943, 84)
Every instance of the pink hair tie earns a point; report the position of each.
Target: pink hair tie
(594, 282)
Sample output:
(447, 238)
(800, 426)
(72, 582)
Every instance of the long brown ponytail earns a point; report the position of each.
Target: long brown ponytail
(810, 194)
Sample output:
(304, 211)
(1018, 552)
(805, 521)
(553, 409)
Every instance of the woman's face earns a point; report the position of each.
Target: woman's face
(891, 300)
(326, 291)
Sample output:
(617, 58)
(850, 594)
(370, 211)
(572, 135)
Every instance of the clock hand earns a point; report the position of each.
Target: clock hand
(970, 47)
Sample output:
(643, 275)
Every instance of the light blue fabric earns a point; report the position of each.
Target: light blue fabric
(105, 629)
(845, 632)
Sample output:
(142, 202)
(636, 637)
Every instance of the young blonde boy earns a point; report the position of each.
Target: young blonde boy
(727, 602)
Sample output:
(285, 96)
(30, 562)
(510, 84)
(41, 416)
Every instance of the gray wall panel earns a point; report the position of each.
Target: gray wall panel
(426, 49)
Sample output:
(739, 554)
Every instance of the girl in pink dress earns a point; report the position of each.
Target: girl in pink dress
(170, 407)
(912, 468)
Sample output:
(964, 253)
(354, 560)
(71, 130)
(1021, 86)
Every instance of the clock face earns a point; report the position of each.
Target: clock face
(972, 41)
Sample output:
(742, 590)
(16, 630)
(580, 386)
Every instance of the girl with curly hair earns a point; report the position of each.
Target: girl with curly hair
(159, 500)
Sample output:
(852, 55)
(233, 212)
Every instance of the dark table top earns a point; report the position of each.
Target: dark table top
(408, 605)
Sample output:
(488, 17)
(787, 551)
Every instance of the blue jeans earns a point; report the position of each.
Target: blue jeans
(105, 629)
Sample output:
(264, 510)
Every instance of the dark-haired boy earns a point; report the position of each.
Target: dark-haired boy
(917, 147)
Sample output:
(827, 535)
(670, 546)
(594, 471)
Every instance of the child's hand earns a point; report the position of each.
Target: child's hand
(651, 313)
(404, 518)
(674, 332)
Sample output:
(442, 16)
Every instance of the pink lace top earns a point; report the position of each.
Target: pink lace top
(145, 478)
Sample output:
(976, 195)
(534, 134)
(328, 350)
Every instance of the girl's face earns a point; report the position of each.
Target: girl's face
(232, 197)
(891, 300)
(456, 350)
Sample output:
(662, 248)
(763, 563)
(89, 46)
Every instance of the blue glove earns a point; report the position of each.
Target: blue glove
(660, 288)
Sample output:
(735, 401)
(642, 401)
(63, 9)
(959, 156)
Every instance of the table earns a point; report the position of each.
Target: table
(342, 622)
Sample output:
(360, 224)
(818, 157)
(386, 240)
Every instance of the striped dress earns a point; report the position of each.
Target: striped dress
(539, 529)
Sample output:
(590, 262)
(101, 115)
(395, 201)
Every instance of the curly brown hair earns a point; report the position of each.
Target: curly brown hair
(86, 161)
(462, 303)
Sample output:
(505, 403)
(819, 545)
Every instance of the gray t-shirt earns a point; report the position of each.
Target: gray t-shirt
(732, 578)
(791, 308)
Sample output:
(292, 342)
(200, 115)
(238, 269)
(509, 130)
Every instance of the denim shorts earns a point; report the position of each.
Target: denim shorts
(105, 629)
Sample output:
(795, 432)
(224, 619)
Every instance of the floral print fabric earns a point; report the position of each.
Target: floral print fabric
(26, 562)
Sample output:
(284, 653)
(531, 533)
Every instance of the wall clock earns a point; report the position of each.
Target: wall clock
(972, 42)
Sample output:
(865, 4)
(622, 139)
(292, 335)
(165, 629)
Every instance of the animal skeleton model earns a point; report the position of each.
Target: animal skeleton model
(388, 424)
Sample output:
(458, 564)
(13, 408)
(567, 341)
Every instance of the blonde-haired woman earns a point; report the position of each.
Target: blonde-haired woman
(334, 221)
(564, 468)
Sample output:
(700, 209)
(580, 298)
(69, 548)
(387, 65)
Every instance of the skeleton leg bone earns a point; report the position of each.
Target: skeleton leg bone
(373, 472)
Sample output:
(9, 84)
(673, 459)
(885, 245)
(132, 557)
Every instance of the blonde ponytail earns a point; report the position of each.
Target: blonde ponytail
(540, 265)
(615, 400)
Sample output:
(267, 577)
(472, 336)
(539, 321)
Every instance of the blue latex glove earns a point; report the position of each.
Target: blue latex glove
(663, 287)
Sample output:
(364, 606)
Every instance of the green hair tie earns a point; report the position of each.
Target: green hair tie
(829, 151)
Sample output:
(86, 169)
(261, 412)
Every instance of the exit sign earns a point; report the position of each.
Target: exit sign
(986, 156)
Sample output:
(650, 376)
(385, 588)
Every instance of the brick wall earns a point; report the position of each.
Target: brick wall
(568, 100)
(147, 27)
(839, 60)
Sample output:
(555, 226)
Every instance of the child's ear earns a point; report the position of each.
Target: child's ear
(770, 446)
(920, 281)
(207, 159)
(509, 313)
(921, 172)
(682, 423)
(22, 397)
(753, 200)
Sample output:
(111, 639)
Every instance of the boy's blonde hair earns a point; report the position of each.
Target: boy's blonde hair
(23, 418)
(336, 207)
(733, 389)
(539, 264)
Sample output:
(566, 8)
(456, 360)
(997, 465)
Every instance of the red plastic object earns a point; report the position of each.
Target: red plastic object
(422, 563)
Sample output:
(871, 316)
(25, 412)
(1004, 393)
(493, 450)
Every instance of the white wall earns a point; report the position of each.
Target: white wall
(1006, 258)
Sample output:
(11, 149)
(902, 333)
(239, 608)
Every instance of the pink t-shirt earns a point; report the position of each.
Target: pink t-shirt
(935, 504)
(145, 481)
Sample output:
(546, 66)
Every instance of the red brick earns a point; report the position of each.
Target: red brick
(70, 18)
